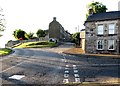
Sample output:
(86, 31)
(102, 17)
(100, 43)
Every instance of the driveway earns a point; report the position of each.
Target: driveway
(48, 66)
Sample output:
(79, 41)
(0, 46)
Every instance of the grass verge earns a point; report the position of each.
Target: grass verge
(5, 51)
(36, 45)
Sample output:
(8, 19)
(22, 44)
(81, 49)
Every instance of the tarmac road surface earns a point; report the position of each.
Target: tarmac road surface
(51, 66)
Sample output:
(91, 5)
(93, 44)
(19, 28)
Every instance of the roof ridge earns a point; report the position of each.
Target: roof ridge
(107, 12)
(104, 15)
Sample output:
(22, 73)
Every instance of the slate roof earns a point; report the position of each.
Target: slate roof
(104, 16)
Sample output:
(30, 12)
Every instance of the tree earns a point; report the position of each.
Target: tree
(40, 33)
(20, 34)
(30, 35)
(2, 21)
(97, 7)
(76, 38)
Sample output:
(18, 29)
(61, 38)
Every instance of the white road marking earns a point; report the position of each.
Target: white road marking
(74, 66)
(75, 71)
(67, 65)
(66, 71)
(76, 75)
(18, 77)
(66, 68)
(77, 80)
(63, 60)
(65, 81)
(12, 67)
(66, 75)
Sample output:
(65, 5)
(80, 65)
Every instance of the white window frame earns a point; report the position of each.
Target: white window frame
(111, 30)
(100, 32)
(111, 41)
(102, 44)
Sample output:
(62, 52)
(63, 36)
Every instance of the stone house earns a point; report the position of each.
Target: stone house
(57, 31)
(102, 33)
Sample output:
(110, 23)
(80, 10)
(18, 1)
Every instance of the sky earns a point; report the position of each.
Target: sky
(31, 15)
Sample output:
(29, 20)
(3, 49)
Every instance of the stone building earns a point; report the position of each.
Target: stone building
(103, 33)
(57, 31)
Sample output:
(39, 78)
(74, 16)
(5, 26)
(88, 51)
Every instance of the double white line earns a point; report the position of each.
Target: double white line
(76, 75)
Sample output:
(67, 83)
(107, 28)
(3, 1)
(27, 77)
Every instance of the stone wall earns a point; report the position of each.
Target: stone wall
(90, 37)
(12, 43)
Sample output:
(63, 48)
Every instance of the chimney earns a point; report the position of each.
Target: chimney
(91, 11)
(54, 18)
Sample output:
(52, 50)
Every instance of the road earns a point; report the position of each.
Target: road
(51, 66)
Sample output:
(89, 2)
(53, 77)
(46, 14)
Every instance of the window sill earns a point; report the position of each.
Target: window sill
(99, 49)
(111, 49)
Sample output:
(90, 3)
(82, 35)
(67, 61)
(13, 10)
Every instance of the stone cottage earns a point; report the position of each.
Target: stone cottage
(57, 31)
(102, 33)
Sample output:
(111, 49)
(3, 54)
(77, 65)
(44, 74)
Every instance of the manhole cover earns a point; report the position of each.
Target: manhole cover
(18, 77)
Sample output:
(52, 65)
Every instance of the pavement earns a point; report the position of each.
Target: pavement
(80, 52)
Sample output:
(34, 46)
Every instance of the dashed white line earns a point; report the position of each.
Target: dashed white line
(75, 71)
(76, 75)
(65, 81)
(77, 80)
(74, 66)
(66, 75)
(67, 65)
(66, 71)
(66, 68)
(63, 60)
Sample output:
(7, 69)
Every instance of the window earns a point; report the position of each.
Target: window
(111, 45)
(100, 44)
(111, 28)
(100, 30)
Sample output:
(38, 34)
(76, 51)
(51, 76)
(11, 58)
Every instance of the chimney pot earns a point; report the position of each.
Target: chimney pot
(91, 11)
(54, 18)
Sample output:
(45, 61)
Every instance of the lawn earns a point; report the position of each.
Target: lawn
(5, 51)
(35, 45)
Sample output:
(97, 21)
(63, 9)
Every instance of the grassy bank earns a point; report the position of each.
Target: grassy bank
(5, 51)
(35, 45)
